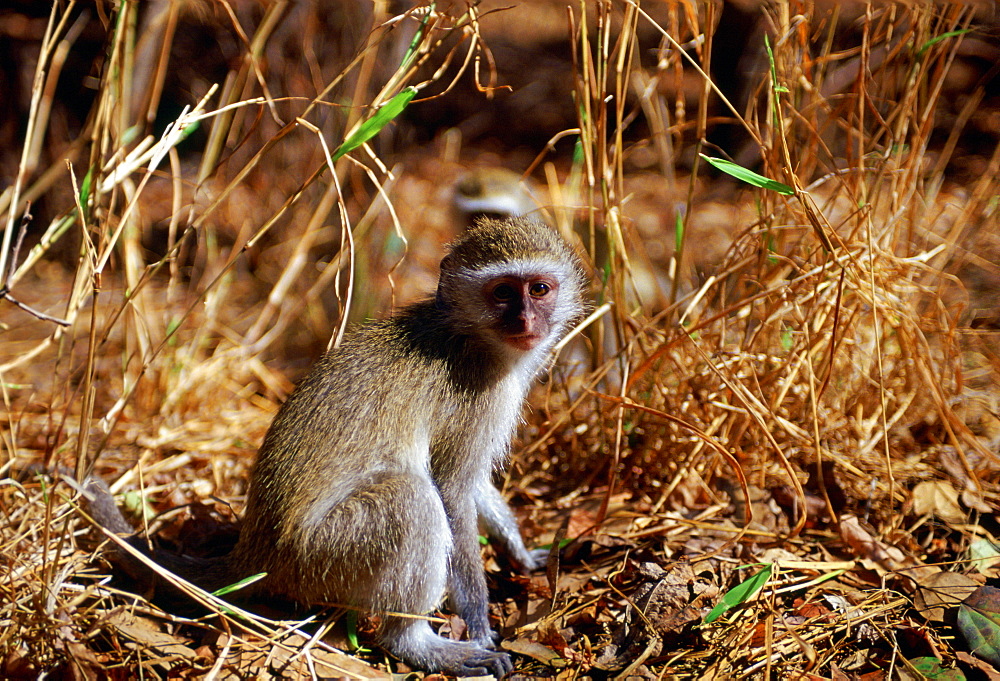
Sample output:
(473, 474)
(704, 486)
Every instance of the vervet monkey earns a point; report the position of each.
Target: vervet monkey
(493, 192)
(368, 486)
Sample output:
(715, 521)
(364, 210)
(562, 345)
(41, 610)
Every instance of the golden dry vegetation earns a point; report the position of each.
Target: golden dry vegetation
(793, 388)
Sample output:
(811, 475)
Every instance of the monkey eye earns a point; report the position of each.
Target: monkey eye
(539, 289)
(504, 293)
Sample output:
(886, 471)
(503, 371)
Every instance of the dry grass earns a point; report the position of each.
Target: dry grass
(807, 380)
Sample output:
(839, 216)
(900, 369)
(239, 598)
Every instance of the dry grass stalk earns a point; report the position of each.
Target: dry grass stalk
(832, 331)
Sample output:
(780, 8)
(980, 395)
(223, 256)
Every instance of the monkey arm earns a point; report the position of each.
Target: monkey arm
(466, 580)
(501, 525)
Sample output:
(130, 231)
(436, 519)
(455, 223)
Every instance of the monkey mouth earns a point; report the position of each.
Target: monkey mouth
(523, 341)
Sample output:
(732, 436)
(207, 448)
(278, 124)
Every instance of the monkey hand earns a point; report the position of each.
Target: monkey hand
(536, 559)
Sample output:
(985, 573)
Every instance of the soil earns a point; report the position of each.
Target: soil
(776, 453)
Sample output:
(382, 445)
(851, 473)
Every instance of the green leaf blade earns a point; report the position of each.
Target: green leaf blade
(740, 593)
(379, 120)
(240, 584)
(748, 176)
(944, 36)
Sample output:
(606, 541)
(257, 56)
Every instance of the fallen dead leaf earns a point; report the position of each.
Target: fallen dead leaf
(942, 591)
(148, 632)
(982, 665)
(881, 556)
(975, 501)
(535, 651)
(938, 498)
(289, 660)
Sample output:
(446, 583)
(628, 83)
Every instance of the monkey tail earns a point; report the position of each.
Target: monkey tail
(208, 573)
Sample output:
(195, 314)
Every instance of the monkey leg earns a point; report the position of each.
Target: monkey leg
(383, 546)
(386, 548)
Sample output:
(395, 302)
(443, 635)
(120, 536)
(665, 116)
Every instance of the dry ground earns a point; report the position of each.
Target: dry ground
(787, 403)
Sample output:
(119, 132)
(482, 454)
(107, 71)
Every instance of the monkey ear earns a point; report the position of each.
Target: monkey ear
(446, 266)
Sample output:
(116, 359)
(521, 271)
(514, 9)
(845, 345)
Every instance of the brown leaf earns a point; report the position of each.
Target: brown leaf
(580, 521)
(548, 633)
(18, 665)
(880, 555)
(148, 632)
(982, 665)
(674, 601)
(289, 661)
(940, 591)
(975, 501)
(86, 665)
(535, 651)
(810, 609)
(836, 674)
(938, 498)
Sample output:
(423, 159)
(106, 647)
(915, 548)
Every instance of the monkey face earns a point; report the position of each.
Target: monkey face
(521, 308)
(514, 285)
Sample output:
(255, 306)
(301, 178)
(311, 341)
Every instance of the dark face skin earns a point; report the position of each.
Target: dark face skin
(522, 308)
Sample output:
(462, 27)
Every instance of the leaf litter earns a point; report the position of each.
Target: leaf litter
(776, 455)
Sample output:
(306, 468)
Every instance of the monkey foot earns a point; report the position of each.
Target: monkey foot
(420, 646)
